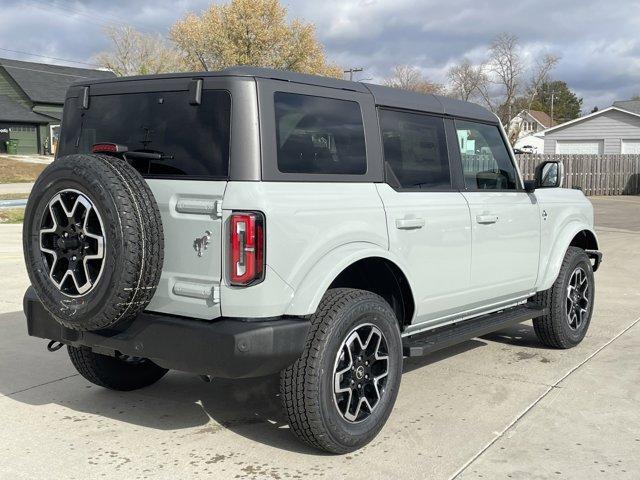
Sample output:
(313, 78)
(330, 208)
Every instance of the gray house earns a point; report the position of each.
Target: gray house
(614, 130)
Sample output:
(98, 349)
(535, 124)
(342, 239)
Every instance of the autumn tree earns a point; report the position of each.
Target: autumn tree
(410, 78)
(250, 32)
(136, 53)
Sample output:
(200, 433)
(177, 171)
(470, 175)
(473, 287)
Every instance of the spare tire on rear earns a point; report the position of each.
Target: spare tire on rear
(93, 241)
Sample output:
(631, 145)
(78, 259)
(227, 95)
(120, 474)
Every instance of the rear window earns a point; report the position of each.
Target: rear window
(319, 135)
(415, 149)
(193, 138)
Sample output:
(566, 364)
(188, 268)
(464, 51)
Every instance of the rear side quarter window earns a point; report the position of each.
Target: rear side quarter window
(319, 135)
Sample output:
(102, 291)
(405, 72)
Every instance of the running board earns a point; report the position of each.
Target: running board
(443, 337)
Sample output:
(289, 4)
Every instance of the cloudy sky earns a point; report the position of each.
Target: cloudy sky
(598, 40)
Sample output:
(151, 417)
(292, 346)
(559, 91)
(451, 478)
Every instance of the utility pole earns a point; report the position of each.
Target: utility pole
(353, 70)
(553, 96)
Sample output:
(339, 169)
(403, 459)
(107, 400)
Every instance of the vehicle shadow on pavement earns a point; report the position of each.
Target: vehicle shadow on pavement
(415, 363)
(521, 334)
(179, 402)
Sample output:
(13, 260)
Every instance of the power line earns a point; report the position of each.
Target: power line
(47, 56)
(101, 20)
(62, 4)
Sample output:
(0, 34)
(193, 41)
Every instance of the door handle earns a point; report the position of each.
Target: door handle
(486, 219)
(409, 223)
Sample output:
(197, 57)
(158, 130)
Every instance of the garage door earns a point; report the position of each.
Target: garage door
(27, 137)
(631, 146)
(580, 147)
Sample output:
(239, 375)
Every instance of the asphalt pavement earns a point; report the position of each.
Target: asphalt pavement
(501, 406)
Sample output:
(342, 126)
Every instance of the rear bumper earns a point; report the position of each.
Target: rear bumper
(227, 348)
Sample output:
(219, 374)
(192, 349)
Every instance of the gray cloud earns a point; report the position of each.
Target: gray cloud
(597, 40)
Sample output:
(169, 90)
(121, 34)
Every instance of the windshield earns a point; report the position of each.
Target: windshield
(193, 139)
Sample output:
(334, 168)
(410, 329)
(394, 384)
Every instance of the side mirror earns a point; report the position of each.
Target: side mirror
(549, 175)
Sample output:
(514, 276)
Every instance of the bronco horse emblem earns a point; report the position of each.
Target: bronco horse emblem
(202, 243)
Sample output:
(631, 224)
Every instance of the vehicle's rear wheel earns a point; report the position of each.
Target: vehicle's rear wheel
(569, 302)
(340, 392)
(115, 373)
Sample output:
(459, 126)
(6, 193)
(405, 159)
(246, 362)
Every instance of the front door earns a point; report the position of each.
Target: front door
(427, 220)
(505, 219)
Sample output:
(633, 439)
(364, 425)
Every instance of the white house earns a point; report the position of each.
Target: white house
(613, 130)
(528, 122)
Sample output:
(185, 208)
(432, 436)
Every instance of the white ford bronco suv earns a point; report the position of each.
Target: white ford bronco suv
(251, 221)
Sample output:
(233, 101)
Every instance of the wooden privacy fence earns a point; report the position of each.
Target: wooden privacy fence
(593, 174)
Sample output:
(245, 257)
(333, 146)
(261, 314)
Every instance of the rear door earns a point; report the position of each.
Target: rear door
(188, 183)
(505, 219)
(427, 218)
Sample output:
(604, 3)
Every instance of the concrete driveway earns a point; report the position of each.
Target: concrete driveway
(495, 407)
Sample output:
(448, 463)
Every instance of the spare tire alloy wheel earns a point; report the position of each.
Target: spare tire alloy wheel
(360, 372)
(72, 240)
(93, 241)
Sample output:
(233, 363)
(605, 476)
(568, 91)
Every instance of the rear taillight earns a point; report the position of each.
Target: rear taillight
(247, 248)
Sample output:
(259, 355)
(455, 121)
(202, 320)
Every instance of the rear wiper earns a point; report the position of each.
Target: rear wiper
(146, 155)
(126, 153)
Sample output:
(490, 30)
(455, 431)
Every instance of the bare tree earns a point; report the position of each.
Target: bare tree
(505, 63)
(539, 75)
(467, 80)
(136, 53)
(410, 78)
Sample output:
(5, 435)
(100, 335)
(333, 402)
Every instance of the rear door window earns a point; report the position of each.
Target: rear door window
(486, 163)
(194, 139)
(415, 150)
(319, 135)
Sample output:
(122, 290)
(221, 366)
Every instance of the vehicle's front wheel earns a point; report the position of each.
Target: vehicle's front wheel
(115, 373)
(569, 303)
(340, 392)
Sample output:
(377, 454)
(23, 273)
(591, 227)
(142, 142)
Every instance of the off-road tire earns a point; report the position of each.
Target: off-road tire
(134, 241)
(114, 373)
(553, 329)
(306, 386)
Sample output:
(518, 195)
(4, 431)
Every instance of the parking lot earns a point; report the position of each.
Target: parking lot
(495, 407)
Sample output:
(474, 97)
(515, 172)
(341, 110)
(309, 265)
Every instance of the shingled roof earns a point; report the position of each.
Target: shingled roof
(12, 111)
(628, 105)
(44, 83)
(542, 118)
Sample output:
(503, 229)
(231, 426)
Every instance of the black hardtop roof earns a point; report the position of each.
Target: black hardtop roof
(385, 96)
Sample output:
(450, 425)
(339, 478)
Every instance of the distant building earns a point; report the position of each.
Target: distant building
(531, 143)
(528, 122)
(628, 105)
(31, 100)
(614, 130)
